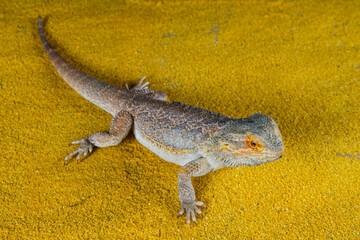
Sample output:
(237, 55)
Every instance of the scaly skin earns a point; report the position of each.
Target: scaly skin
(198, 140)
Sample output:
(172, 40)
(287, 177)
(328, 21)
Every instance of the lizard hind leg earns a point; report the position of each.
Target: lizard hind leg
(139, 86)
(142, 89)
(120, 127)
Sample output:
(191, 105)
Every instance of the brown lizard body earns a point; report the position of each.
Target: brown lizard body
(197, 139)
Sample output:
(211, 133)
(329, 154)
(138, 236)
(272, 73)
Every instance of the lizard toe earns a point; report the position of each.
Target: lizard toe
(85, 147)
(191, 209)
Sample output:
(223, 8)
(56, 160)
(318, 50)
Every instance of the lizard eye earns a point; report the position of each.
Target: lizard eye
(253, 143)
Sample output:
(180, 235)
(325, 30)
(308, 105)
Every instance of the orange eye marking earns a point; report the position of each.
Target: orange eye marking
(253, 143)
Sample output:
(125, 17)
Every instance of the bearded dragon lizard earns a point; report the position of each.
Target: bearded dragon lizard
(198, 140)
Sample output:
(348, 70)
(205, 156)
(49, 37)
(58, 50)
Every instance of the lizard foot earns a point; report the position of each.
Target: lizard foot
(190, 208)
(139, 86)
(84, 148)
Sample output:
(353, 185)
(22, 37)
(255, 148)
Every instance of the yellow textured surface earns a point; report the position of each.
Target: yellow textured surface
(296, 61)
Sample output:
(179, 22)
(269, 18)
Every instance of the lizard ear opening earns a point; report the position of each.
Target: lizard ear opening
(225, 146)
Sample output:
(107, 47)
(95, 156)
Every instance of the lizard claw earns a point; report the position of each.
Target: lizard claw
(84, 148)
(139, 86)
(190, 208)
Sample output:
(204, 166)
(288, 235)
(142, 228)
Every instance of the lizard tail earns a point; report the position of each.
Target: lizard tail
(101, 94)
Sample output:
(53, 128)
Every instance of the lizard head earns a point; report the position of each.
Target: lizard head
(249, 141)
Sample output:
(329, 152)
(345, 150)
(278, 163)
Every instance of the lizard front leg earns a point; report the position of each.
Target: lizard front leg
(120, 127)
(195, 168)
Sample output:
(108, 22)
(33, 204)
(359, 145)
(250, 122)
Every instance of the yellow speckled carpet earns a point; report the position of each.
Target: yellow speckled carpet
(296, 61)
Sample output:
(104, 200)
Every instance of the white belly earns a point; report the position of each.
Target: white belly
(170, 155)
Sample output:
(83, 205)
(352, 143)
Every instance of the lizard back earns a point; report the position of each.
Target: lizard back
(173, 130)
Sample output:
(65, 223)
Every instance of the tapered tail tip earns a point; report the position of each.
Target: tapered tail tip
(39, 21)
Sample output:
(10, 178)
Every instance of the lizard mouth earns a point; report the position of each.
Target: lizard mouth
(273, 155)
(280, 153)
(277, 155)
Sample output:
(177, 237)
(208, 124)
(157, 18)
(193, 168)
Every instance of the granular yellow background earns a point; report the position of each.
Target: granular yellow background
(296, 61)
